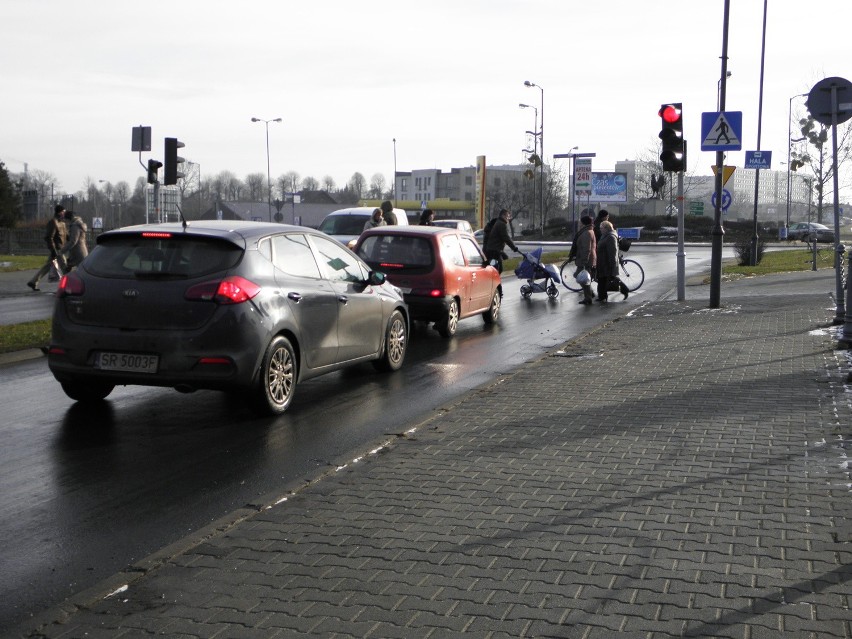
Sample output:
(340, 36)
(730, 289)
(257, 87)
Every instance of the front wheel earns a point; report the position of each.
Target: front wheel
(396, 344)
(447, 327)
(490, 316)
(276, 383)
(87, 391)
(552, 291)
(632, 274)
(566, 274)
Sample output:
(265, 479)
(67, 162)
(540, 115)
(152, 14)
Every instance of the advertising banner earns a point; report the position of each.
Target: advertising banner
(609, 187)
(480, 190)
(583, 176)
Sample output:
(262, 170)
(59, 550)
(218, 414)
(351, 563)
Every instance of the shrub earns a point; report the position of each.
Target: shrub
(742, 251)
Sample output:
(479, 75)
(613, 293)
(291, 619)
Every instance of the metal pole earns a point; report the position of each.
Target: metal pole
(754, 237)
(541, 140)
(268, 174)
(718, 231)
(393, 189)
(846, 334)
(681, 253)
(840, 313)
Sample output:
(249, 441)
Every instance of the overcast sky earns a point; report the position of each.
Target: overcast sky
(443, 77)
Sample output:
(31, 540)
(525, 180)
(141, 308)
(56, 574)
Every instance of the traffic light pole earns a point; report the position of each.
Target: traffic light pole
(718, 231)
(681, 253)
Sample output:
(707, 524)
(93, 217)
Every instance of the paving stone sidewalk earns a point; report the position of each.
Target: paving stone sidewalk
(681, 471)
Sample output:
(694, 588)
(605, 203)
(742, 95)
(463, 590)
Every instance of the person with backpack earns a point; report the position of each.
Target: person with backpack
(497, 238)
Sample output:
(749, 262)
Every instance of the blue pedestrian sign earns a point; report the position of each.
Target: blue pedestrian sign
(722, 131)
(758, 159)
(726, 199)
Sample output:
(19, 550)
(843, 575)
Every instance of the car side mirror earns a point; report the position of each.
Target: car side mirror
(376, 278)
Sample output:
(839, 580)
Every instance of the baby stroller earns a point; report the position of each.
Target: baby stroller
(541, 278)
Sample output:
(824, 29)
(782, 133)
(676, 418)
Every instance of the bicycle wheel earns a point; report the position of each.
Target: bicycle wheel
(566, 274)
(632, 274)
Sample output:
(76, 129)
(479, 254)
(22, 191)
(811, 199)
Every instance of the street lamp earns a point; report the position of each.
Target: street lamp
(789, 145)
(268, 175)
(534, 151)
(527, 83)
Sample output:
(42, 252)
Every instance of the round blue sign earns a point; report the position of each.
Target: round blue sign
(726, 199)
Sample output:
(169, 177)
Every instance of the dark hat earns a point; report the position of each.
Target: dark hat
(586, 219)
(387, 206)
(58, 209)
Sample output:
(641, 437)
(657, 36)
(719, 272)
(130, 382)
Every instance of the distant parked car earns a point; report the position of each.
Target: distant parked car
(443, 273)
(245, 307)
(461, 225)
(803, 230)
(345, 225)
(479, 235)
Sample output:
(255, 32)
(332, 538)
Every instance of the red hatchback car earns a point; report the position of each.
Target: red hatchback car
(442, 272)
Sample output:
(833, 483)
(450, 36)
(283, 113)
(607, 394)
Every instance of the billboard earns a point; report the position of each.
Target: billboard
(609, 187)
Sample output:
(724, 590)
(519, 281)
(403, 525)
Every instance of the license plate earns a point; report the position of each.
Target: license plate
(129, 362)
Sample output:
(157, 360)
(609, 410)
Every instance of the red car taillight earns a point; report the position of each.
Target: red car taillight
(70, 284)
(428, 292)
(231, 290)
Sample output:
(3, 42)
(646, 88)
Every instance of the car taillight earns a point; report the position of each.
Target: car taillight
(70, 284)
(428, 292)
(231, 290)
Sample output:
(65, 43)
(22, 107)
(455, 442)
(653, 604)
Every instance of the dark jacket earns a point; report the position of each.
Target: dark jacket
(499, 238)
(608, 255)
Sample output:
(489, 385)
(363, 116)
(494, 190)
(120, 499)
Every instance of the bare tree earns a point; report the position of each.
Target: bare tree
(310, 184)
(256, 186)
(288, 183)
(820, 162)
(377, 187)
(357, 184)
(328, 183)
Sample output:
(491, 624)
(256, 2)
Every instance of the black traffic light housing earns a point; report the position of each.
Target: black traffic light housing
(171, 173)
(674, 146)
(153, 168)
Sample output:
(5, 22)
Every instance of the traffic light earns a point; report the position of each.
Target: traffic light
(171, 173)
(674, 146)
(153, 168)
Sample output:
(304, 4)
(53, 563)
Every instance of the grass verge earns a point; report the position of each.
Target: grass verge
(19, 337)
(11, 263)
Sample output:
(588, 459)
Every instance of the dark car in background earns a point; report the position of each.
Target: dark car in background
(442, 273)
(808, 231)
(246, 307)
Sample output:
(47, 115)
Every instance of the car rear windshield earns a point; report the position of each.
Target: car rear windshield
(344, 224)
(397, 252)
(181, 257)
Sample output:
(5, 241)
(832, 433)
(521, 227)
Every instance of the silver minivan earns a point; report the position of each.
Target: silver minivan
(345, 225)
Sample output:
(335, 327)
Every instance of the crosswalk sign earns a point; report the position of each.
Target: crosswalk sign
(722, 131)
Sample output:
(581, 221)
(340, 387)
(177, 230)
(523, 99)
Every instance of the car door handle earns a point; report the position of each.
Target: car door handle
(296, 297)
(342, 299)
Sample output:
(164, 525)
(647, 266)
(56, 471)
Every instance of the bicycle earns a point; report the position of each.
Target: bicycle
(632, 274)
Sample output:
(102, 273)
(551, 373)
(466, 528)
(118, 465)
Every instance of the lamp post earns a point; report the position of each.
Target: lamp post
(573, 156)
(789, 145)
(527, 83)
(534, 151)
(268, 174)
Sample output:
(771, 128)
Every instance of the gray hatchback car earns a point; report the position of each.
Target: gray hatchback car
(238, 306)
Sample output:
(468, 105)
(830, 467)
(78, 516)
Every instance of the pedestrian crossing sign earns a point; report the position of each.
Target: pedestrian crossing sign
(722, 131)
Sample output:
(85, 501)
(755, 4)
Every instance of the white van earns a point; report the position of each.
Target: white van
(345, 225)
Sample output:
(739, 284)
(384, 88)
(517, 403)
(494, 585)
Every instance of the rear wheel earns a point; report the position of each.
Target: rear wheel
(87, 390)
(566, 274)
(447, 327)
(276, 383)
(526, 291)
(490, 316)
(396, 343)
(552, 291)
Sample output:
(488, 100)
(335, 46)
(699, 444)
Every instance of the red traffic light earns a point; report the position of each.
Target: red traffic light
(670, 113)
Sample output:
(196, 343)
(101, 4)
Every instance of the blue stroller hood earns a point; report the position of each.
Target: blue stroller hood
(529, 265)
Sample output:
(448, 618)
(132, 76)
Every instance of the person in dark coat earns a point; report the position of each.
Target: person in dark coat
(608, 262)
(498, 238)
(603, 215)
(426, 217)
(55, 235)
(586, 256)
(387, 212)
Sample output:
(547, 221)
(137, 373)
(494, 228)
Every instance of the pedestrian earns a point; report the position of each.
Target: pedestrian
(607, 265)
(426, 217)
(586, 257)
(603, 215)
(75, 248)
(387, 212)
(498, 238)
(376, 219)
(55, 235)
